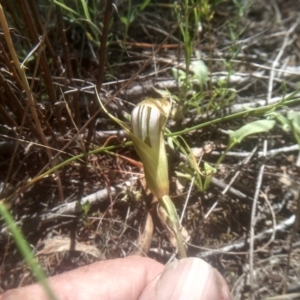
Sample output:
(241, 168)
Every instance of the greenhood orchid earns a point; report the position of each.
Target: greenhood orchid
(148, 120)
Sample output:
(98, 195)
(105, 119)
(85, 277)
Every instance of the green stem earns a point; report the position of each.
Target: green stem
(26, 251)
(64, 163)
(253, 111)
(168, 205)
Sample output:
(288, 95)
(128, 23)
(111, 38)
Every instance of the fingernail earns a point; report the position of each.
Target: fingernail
(191, 278)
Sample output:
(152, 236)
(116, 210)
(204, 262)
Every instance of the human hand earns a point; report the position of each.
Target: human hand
(132, 278)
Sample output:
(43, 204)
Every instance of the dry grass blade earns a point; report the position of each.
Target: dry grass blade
(64, 244)
(29, 94)
(144, 240)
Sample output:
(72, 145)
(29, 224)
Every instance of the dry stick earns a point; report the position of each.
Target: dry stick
(296, 191)
(6, 117)
(40, 50)
(41, 31)
(253, 221)
(68, 144)
(57, 167)
(273, 220)
(189, 192)
(228, 186)
(233, 248)
(102, 56)
(31, 101)
(19, 111)
(11, 163)
(69, 69)
(40, 58)
(4, 83)
(259, 66)
(13, 9)
(44, 63)
(275, 62)
(270, 90)
(245, 162)
(272, 152)
(102, 50)
(14, 103)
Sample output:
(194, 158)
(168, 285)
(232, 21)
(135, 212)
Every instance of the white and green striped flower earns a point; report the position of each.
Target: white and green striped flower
(148, 120)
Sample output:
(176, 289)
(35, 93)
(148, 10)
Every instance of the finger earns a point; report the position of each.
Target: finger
(189, 278)
(123, 278)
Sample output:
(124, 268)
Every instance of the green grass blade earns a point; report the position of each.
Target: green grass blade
(67, 8)
(26, 251)
(86, 10)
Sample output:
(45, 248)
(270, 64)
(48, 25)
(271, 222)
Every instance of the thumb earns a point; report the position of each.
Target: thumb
(188, 278)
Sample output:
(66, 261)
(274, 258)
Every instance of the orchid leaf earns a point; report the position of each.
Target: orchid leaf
(255, 127)
(294, 118)
(155, 166)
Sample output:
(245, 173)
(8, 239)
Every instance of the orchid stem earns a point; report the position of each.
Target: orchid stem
(168, 205)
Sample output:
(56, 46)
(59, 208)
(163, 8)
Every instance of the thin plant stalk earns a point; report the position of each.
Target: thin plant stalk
(31, 102)
(26, 251)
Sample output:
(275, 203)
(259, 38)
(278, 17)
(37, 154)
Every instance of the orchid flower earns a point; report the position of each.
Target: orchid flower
(148, 120)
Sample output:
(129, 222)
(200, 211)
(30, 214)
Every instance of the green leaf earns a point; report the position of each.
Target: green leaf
(125, 21)
(191, 160)
(144, 4)
(281, 119)
(183, 175)
(86, 10)
(65, 7)
(209, 170)
(248, 129)
(155, 165)
(170, 143)
(294, 118)
(178, 74)
(200, 71)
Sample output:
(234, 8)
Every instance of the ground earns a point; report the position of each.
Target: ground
(243, 56)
